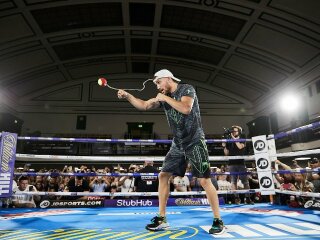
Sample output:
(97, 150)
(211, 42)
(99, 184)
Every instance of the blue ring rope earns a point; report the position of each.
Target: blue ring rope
(95, 140)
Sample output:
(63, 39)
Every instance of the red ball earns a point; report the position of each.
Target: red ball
(102, 82)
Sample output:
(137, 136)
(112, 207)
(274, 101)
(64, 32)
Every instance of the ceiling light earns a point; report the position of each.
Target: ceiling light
(289, 103)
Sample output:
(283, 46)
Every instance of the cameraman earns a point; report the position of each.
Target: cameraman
(237, 165)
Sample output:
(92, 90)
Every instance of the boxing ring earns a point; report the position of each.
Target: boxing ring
(260, 221)
(190, 218)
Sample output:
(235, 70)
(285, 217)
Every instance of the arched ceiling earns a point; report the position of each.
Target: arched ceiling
(237, 53)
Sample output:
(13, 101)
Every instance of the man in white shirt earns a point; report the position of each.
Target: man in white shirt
(99, 184)
(126, 183)
(23, 200)
(223, 184)
(181, 184)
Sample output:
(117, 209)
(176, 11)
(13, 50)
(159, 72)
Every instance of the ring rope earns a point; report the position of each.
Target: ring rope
(93, 140)
(297, 153)
(135, 194)
(93, 174)
(297, 170)
(296, 193)
(140, 194)
(109, 140)
(32, 157)
(55, 174)
(295, 130)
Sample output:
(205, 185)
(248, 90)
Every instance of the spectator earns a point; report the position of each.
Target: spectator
(254, 184)
(65, 180)
(195, 185)
(99, 184)
(53, 184)
(286, 180)
(39, 186)
(295, 164)
(314, 177)
(223, 184)
(301, 183)
(214, 181)
(147, 183)
(181, 184)
(286, 183)
(113, 189)
(126, 183)
(21, 200)
(78, 184)
(61, 189)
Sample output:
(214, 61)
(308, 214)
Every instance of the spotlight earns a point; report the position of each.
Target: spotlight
(289, 103)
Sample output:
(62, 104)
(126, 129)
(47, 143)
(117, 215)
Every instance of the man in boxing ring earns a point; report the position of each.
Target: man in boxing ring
(181, 106)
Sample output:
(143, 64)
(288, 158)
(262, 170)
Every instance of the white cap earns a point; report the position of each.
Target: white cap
(164, 73)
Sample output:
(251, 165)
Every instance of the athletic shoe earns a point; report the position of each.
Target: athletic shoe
(217, 227)
(158, 223)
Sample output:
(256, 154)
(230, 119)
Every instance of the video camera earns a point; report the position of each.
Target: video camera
(227, 133)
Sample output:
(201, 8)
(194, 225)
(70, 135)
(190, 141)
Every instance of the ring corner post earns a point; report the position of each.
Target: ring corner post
(8, 145)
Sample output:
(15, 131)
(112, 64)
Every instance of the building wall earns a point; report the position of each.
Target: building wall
(49, 124)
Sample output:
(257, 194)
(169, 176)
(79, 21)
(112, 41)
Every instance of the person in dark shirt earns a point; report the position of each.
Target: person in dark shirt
(237, 165)
(180, 104)
(147, 183)
(78, 184)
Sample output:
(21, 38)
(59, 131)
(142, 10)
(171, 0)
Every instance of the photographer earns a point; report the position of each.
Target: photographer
(126, 183)
(99, 184)
(236, 165)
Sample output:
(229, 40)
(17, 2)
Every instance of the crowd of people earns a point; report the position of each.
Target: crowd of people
(304, 182)
(297, 181)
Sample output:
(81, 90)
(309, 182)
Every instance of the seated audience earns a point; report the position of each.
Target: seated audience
(21, 200)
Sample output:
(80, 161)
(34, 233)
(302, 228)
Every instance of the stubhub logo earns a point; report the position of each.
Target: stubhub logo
(133, 203)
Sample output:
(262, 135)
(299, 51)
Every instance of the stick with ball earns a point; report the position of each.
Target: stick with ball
(104, 83)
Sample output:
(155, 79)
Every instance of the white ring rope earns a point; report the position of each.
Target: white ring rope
(92, 174)
(140, 194)
(136, 174)
(33, 157)
(296, 193)
(297, 153)
(134, 194)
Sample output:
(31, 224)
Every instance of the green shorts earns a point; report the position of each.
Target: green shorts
(177, 159)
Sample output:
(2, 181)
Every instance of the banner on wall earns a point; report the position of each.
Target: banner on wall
(313, 204)
(155, 202)
(263, 164)
(71, 203)
(8, 144)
